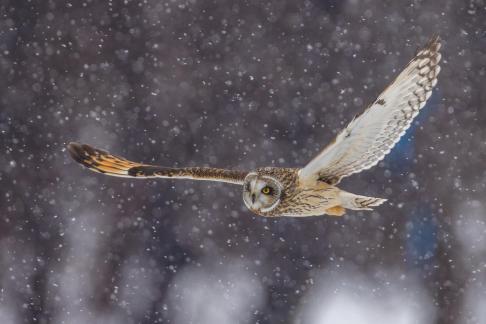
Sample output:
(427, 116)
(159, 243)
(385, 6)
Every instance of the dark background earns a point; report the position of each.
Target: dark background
(238, 85)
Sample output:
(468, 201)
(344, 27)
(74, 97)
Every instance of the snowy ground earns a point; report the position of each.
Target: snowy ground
(239, 85)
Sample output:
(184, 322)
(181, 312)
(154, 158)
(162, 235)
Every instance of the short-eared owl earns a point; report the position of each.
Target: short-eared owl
(312, 189)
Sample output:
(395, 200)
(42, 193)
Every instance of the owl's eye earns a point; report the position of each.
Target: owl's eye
(266, 190)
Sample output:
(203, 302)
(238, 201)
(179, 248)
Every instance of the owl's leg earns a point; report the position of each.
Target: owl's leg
(335, 211)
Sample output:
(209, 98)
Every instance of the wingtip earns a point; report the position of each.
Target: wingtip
(73, 146)
(75, 150)
(434, 43)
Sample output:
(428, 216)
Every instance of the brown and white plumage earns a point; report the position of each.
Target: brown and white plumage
(104, 162)
(371, 136)
(311, 190)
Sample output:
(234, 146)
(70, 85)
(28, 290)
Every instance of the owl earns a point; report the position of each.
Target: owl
(311, 190)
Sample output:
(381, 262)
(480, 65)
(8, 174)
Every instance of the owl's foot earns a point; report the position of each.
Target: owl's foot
(335, 211)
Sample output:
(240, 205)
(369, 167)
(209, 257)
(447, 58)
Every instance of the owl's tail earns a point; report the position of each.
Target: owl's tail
(357, 202)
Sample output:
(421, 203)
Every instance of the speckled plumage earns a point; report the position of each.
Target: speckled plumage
(297, 198)
(311, 190)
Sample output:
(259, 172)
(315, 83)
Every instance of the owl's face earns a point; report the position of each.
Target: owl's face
(261, 193)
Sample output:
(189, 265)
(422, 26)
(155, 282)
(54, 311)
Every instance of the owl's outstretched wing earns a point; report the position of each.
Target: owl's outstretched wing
(371, 136)
(104, 162)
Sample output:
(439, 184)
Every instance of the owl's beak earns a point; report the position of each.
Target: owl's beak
(253, 197)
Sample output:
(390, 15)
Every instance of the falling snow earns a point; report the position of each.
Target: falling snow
(237, 85)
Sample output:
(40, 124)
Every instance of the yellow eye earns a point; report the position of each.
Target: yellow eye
(266, 190)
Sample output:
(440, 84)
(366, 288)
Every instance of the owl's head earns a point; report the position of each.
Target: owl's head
(261, 193)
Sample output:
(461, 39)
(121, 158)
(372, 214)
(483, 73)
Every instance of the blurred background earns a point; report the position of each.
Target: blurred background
(237, 85)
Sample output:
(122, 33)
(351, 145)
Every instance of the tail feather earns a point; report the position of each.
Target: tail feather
(357, 202)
